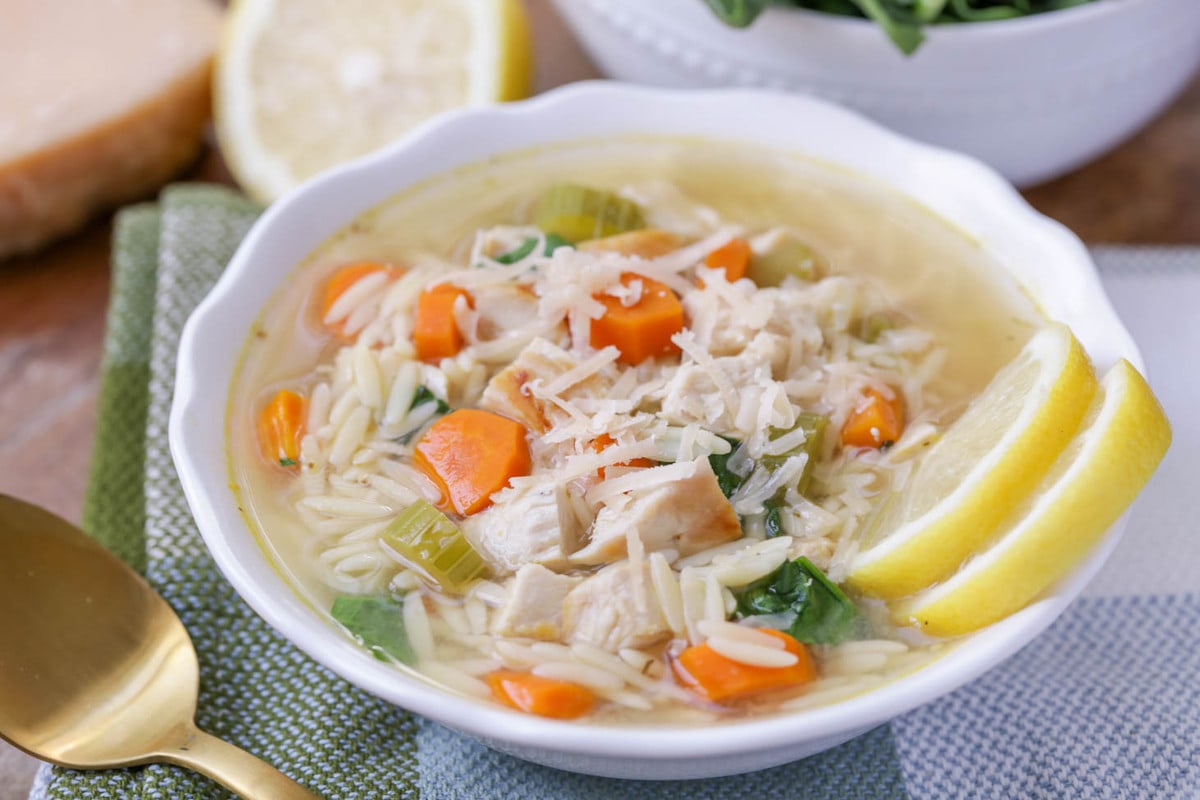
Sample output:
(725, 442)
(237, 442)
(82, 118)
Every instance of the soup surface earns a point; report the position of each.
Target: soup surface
(590, 431)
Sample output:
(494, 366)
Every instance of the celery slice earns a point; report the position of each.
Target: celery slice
(788, 257)
(873, 326)
(577, 213)
(814, 426)
(429, 542)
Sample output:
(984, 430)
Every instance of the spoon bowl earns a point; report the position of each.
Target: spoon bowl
(96, 670)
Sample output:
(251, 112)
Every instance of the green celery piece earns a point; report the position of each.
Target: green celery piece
(737, 13)
(378, 622)
(873, 326)
(814, 426)
(791, 257)
(576, 213)
(428, 541)
(817, 611)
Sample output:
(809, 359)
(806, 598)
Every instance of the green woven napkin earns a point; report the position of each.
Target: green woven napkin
(256, 690)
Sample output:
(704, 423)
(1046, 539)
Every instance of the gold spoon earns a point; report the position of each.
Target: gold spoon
(96, 671)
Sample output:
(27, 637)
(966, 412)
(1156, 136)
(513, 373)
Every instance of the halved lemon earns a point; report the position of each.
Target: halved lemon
(986, 463)
(302, 85)
(1124, 436)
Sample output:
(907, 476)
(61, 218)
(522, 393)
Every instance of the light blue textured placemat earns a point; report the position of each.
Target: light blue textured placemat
(1104, 705)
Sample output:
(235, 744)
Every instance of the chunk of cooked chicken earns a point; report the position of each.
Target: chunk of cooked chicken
(503, 308)
(535, 604)
(709, 395)
(614, 608)
(508, 392)
(646, 243)
(532, 525)
(688, 515)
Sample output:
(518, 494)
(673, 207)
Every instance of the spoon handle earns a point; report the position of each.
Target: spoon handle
(247, 776)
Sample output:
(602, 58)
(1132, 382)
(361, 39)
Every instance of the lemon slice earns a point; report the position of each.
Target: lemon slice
(987, 461)
(1124, 437)
(302, 85)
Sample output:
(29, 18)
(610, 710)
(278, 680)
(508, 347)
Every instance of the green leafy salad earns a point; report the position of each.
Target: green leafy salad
(902, 20)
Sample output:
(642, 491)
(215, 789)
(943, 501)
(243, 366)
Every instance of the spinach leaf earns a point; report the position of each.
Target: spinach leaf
(737, 13)
(903, 29)
(423, 396)
(902, 20)
(815, 609)
(727, 479)
(378, 622)
(553, 242)
(773, 520)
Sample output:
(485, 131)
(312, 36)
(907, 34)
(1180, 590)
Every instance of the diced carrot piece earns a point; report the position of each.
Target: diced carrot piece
(717, 678)
(644, 329)
(342, 280)
(472, 454)
(733, 257)
(435, 331)
(280, 427)
(877, 421)
(545, 697)
(604, 441)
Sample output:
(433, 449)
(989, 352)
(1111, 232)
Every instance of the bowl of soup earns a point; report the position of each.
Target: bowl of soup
(563, 423)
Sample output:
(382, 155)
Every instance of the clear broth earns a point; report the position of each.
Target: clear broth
(931, 271)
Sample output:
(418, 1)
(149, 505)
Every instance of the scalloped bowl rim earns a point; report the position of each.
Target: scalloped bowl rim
(929, 175)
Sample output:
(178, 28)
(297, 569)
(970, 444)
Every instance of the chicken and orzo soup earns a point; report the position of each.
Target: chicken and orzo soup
(591, 432)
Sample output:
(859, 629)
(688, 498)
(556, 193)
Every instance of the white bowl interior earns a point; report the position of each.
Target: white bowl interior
(1043, 256)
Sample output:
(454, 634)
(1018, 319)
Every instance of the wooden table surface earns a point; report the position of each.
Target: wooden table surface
(52, 305)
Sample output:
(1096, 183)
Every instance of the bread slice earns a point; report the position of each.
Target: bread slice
(104, 101)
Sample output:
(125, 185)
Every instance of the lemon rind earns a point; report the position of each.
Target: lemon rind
(930, 548)
(1125, 443)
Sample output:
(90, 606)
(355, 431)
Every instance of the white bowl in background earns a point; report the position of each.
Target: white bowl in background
(1033, 97)
(1042, 255)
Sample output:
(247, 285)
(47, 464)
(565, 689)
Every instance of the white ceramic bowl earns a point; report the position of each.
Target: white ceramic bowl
(1034, 97)
(1043, 256)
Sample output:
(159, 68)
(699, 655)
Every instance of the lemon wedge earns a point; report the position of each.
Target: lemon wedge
(302, 85)
(1124, 436)
(986, 463)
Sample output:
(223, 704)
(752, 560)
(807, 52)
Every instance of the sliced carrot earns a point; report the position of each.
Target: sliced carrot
(280, 426)
(733, 257)
(435, 331)
(342, 280)
(877, 421)
(545, 697)
(604, 441)
(717, 678)
(644, 329)
(471, 454)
